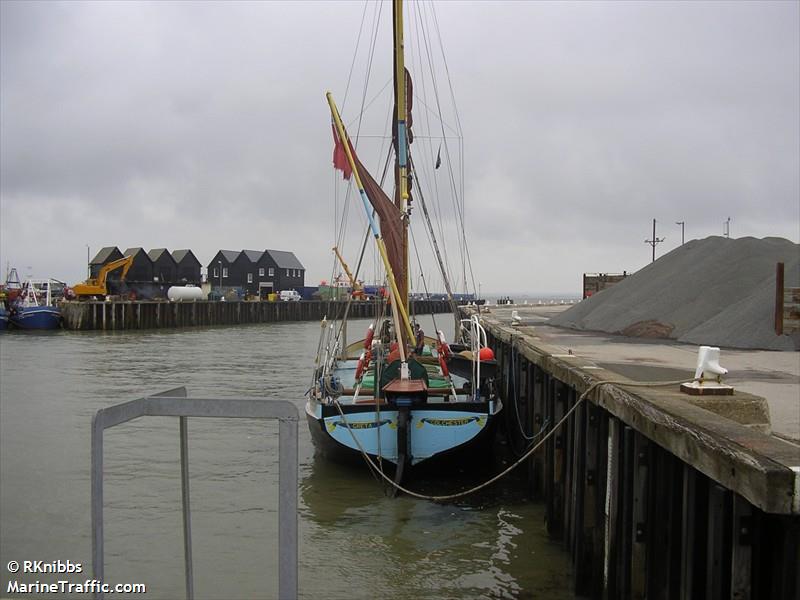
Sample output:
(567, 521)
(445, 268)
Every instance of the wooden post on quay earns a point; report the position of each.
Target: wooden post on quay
(586, 550)
(718, 567)
(640, 517)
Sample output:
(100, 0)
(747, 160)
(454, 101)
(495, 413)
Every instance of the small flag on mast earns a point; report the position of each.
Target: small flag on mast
(340, 161)
(439, 158)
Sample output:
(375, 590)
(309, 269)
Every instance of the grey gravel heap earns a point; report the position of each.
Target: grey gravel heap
(715, 291)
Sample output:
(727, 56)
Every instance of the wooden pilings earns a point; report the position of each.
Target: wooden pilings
(158, 314)
(648, 502)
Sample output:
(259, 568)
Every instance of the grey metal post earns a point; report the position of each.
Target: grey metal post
(97, 500)
(187, 515)
(174, 403)
(287, 509)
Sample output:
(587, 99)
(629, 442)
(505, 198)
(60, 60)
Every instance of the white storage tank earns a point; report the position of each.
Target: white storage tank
(181, 293)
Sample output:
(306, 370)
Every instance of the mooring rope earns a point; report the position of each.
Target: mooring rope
(522, 459)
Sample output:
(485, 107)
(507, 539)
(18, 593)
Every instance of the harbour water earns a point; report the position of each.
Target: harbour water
(355, 542)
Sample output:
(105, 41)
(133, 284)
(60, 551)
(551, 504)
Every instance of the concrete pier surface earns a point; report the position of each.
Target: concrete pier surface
(655, 493)
(774, 376)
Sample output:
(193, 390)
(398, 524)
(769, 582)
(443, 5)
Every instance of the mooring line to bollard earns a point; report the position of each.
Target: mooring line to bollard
(519, 461)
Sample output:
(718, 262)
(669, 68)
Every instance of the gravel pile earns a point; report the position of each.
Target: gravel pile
(715, 291)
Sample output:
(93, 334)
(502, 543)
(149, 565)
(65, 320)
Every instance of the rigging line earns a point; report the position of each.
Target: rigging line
(455, 202)
(430, 176)
(368, 104)
(360, 258)
(461, 210)
(440, 221)
(422, 277)
(435, 244)
(355, 54)
(371, 55)
(446, 68)
(438, 117)
(367, 234)
(373, 45)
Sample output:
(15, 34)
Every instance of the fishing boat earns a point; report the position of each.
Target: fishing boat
(396, 398)
(35, 308)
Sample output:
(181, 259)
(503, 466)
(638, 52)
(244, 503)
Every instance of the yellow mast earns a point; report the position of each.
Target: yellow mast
(402, 139)
(398, 301)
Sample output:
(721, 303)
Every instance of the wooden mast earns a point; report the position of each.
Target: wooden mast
(401, 143)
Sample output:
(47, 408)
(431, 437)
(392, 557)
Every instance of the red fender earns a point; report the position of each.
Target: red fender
(443, 365)
(368, 339)
(360, 367)
(363, 364)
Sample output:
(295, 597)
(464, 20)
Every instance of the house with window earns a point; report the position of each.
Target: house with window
(290, 274)
(165, 269)
(248, 265)
(105, 256)
(221, 271)
(188, 267)
(256, 272)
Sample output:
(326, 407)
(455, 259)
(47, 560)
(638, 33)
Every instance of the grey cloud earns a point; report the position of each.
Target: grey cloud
(204, 125)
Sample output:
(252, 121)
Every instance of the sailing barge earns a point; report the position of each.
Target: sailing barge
(397, 398)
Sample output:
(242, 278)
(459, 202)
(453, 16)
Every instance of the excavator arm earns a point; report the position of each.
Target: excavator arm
(97, 286)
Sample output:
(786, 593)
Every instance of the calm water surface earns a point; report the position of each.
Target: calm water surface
(355, 542)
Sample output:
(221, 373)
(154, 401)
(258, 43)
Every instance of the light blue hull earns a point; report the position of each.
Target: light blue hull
(432, 432)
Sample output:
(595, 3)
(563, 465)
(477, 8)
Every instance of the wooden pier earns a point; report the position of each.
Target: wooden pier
(654, 494)
(122, 315)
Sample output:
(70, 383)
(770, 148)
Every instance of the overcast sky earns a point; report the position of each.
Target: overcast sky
(205, 126)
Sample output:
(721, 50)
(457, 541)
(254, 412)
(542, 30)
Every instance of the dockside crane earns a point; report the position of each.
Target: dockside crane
(356, 287)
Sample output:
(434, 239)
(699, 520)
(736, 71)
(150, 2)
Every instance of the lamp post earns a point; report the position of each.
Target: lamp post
(728, 228)
(681, 223)
(220, 279)
(88, 263)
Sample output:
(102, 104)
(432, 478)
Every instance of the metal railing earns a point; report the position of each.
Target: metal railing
(174, 403)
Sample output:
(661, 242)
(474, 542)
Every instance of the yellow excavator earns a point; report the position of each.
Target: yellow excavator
(96, 287)
(357, 289)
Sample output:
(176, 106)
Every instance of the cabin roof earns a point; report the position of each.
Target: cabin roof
(102, 256)
(253, 255)
(285, 260)
(229, 255)
(135, 251)
(179, 255)
(156, 253)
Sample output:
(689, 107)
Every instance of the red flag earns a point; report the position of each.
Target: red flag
(340, 161)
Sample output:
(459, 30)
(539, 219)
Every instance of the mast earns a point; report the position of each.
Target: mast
(401, 141)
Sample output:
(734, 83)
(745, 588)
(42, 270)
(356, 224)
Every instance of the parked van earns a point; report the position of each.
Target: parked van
(289, 296)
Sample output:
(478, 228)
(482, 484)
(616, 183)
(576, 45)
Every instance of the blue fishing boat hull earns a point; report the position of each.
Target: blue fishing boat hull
(3, 319)
(36, 317)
